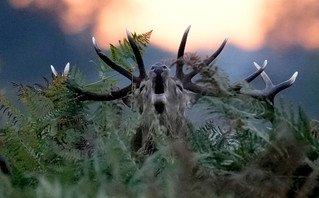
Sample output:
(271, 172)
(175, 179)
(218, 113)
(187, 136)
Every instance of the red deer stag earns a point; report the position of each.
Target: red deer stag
(168, 95)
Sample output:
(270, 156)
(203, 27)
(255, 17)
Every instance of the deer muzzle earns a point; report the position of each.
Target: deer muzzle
(159, 97)
(159, 84)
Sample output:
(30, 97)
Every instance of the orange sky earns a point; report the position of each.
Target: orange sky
(292, 23)
(243, 21)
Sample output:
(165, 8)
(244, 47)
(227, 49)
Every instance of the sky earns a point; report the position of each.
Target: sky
(245, 22)
(212, 20)
(37, 33)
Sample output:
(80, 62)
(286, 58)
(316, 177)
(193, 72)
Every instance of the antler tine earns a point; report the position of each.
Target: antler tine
(195, 88)
(137, 54)
(272, 90)
(113, 95)
(283, 85)
(179, 66)
(186, 78)
(54, 72)
(265, 77)
(256, 73)
(66, 69)
(218, 51)
(113, 65)
(193, 73)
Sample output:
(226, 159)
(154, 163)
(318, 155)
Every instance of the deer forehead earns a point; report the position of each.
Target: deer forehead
(159, 65)
(159, 69)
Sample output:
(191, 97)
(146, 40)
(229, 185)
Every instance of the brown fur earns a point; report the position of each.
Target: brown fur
(171, 121)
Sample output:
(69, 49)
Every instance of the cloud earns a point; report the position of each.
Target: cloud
(292, 23)
(211, 20)
(249, 23)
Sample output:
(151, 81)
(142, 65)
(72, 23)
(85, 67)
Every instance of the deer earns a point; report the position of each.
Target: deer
(167, 95)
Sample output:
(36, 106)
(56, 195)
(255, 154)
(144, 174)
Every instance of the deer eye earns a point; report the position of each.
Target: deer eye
(152, 68)
(180, 87)
(142, 88)
(164, 67)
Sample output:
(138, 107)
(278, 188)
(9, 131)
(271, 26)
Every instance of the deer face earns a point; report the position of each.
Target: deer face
(162, 92)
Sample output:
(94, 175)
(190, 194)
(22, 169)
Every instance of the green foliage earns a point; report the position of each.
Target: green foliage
(9, 111)
(124, 52)
(60, 147)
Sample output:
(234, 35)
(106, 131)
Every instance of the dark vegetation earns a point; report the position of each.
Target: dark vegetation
(57, 146)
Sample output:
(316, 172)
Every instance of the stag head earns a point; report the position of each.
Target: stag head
(157, 88)
(170, 95)
(161, 91)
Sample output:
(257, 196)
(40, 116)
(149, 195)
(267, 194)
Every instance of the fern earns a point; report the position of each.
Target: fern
(124, 51)
(15, 117)
(60, 147)
(295, 121)
(224, 151)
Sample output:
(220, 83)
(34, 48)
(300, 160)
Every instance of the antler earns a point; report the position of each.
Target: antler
(187, 78)
(113, 95)
(138, 56)
(270, 90)
(65, 71)
(256, 73)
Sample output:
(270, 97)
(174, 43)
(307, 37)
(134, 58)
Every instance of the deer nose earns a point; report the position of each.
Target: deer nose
(158, 71)
(159, 68)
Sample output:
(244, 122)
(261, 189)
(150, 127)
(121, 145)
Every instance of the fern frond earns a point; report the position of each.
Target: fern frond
(15, 117)
(124, 52)
(106, 117)
(36, 103)
(22, 151)
(142, 40)
(77, 76)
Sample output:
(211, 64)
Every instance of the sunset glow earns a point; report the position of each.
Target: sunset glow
(292, 23)
(211, 22)
(245, 22)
